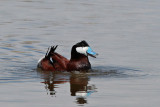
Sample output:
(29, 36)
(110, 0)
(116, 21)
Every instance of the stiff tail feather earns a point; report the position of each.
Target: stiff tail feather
(50, 51)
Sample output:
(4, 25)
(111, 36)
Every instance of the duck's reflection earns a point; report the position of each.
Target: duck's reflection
(79, 84)
(80, 87)
(51, 81)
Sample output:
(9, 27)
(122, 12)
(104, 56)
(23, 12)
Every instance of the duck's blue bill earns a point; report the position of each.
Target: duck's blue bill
(91, 52)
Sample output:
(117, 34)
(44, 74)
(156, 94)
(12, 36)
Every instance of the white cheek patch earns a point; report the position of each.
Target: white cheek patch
(82, 50)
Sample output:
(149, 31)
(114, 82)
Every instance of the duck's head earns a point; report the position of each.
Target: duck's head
(82, 49)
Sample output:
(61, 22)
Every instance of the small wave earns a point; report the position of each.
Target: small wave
(113, 71)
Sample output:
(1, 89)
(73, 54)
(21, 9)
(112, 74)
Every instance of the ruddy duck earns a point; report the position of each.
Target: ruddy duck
(79, 59)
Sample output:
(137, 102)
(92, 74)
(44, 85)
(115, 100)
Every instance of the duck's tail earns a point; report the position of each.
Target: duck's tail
(50, 51)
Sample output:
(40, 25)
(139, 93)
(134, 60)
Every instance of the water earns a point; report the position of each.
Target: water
(125, 33)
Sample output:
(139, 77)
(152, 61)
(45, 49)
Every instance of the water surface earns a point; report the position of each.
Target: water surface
(125, 33)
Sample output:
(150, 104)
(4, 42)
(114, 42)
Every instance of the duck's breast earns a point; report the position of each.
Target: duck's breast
(78, 65)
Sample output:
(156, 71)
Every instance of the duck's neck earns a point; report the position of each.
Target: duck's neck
(79, 63)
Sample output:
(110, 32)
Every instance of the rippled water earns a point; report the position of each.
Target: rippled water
(125, 33)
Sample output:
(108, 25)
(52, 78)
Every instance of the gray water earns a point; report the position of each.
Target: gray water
(125, 33)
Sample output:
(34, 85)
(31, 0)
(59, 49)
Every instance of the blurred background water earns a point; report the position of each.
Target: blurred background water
(125, 33)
